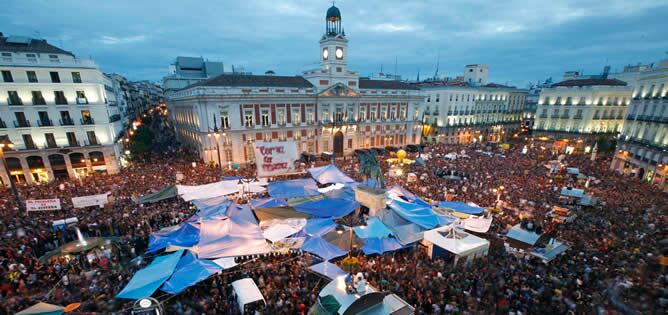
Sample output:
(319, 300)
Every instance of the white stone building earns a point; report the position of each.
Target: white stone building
(329, 109)
(642, 149)
(55, 111)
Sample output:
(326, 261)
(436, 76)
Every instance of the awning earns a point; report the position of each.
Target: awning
(185, 234)
(230, 238)
(519, 234)
(189, 271)
(328, 270)
(415, 213)
(211, 190)
(149, 279)
(461, 207)
(328, 207)
(246, 291)
(377, 245)
(322, 248)
(210, 208)
(162, 194)
(266, 214)
(374, 228)
(293, 188)
(42, 309)
(276, 230)
(329, 174)
(269, 202)
(457, 241)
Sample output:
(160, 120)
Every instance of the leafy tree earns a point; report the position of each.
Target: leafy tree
(142, 141)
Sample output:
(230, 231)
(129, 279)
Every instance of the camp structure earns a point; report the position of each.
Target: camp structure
(449, 240)
(247, 293)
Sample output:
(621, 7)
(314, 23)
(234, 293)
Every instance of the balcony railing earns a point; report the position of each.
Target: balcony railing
(52, 145)
(61, 101)
(14, 101)
(114, 118)
(73, 143)
(3, 124)
(89, 143)
(21, 124)
(88, 121)
(66, 122)
(38, 101)
(44, 122)
(82, 100)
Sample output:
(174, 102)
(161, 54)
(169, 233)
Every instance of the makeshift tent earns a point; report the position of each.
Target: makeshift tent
(247, 292)
(149, 279)
(524, 236)
(210, 208)
(276, 230)
(377, 245)
(266, 214)
(415, 213)
(293, 188)
(551, 251)
(329, 174)
(318, 226)
(328, 207)
(397, 191)
(408, 233)
(269, 202)
(573, 192)
(42, 308)
(211, 190)
(374, 228)
(343, 240)
(225, 262)
(162, 194)
(231, 237)
(328, 270)
(478, 224)
(459, 243)
(189, 271)
(462, 207)
(322, 248)
(185, 234)
(335, 299)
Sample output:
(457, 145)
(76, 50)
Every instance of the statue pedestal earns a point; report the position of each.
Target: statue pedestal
(372, 198)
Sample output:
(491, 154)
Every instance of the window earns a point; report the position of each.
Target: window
(265, 118)
(296, 116)
(50, 140)
(55, 78)
(72, 139)
(65, 119)
(86, 119)
(362, 115)
(14, 98)
(32, 76)
(37, 98)
(7, 76)
(224, 120)
(310, 118)
(350, 143)
(76, 77)
(27, 140)
(248, 118)
(44, 119)
(81, 98)
(372, 114)
(92, 139)
(60, 97)
(280, 116)
(21, 120)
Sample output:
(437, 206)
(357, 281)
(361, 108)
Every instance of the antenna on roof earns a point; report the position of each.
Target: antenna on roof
(395, 67)
(418, 76)
(438, 63)
(381, 68)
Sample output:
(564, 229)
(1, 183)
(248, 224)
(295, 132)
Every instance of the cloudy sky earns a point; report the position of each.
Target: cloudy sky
(521, 41)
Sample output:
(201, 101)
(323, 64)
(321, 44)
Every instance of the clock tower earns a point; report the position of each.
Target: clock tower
(333, 55)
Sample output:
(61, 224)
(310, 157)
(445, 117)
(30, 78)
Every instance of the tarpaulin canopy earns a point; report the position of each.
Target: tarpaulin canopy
(328, 270)
(211, 190)
(189, 271)
(322, 248)
(276, 230)
(461, 207)
(268, 202)
(342, 240)
(328, 207)
(397, 191)
(42, 308)
(265, 214)
(408, 233)
(374, 228)
(149, 279)
(377, 245)
(293, 188)
(329, 174)
(457, 241)
(230, 238)
(573, 192)
(210, 209)
(318, 226)
(185, 234)
(247, 292)
(415, 213)
(573, 170)
(519, 234)
(162, 194)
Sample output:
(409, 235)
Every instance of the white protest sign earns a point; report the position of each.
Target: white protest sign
(275, 158)
(89, 201)
(43, 204)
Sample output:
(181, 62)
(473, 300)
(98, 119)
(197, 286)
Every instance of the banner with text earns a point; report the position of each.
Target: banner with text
(43, 204)
(89, 201)
(275, 158)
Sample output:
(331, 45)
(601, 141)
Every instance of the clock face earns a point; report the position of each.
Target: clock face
(325, 53)
(339, 53)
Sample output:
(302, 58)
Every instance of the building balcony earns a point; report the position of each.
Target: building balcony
(577, 117)
(88, 121)
(22, 124)
(44, 122)
(93, 143)
(13, 101)
(52, 146)
(3, 124)
(82, 100)
(66, 122)
(73, 143)
(38, 101)
(61, 101)
(114, 118)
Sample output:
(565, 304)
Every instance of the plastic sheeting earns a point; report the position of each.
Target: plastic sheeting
(185, 235)
(322, 248)
(269, 202)
(464, 244)
(328, 207)
(408, 233)
(374, 228)
(266, 214)
(573, 192)
(210, 209)
(319, 226)
(377, 245)
(415, 213)
(461, 207)
(277, 230)
(149, 279)
(211, 190)
(293, 188)
(329, 174)
(162, 194)
(232, 237)
(189, 271)
(328, 270)
(519, 234)
(42, 308)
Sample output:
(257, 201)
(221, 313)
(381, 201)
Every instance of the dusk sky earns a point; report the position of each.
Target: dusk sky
(521, 41)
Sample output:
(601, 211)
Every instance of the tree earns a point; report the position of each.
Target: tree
(142, 141)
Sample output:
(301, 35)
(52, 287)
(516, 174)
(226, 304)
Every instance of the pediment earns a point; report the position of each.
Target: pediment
(339, 90)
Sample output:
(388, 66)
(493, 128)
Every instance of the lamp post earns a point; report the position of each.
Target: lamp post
(339, 230)
(498, 195)
(5, 143)
(215, 134)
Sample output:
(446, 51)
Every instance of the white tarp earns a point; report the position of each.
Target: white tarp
(206, 191)
(276, 230)
(247, 292)
(43, 204)
(460, 243)
(231, 238)
(478, 224)
(275, 158)
(225, 262)
(89, 201)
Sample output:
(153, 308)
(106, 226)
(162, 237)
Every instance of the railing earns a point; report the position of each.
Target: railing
(31, 146)
(44, 122)
(21, 124)
(38, 101)
(74, 143)
(3, 124)
(114, 118)
(31, 61)
(577, 117)
(82, 100)
(14, 101)
(51, 146)
(89, 143)
(89, 121)
(66, 122)
(61, 101)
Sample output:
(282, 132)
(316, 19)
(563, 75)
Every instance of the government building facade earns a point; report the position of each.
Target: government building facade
(328, 109)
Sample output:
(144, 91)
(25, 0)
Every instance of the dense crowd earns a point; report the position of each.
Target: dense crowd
(616, 241)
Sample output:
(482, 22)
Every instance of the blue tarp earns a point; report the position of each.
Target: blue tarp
(328, 270)
(519, 234)
(268, 202)
(149, 279)
(322, 248)
(328, 208)
(210, 209)
(318, 226)
(344, 193)
(415, 213)
(573, 192)
(374, 228)
(189, 271)
(461, 207)
(378, 245)
(329, 174)
(408, 233)
(232, 177)
(186, 234)
(573, 170)
(293, 188)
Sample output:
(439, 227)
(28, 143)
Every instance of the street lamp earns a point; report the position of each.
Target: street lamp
(5, 143)
(215, 134)
(498, 195)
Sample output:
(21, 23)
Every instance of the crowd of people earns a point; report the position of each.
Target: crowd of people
(616, 241)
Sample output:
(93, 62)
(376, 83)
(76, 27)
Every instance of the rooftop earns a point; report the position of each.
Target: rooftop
(29, 45)
(238, 80)
(590, 82)
(385, 84)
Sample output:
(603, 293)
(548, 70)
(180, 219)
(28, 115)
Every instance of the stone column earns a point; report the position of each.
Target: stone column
(4, 174)
(68, 165)
(47, 166)
(26, 171)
